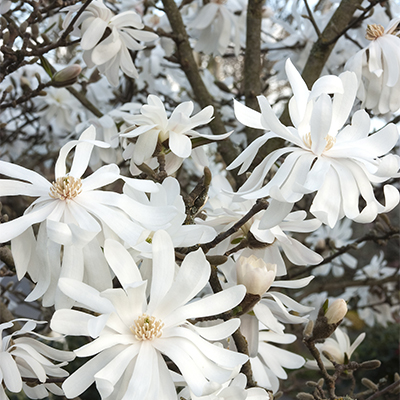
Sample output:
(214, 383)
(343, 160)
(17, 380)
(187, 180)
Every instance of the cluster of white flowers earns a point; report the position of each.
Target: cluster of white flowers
(161, 280)
(107, 38)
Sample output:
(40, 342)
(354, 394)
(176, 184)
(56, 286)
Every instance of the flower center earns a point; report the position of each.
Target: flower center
(374, 31)
(66, 188)
(330, 141)
(147, 328)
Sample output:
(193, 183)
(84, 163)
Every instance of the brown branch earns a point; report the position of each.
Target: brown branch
(370, 236)
(329, 380)
(186, 60)
(387, 389)
(252, 61)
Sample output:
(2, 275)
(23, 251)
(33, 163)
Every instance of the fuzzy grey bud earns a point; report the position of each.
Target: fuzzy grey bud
(369, 384)
(35, 30)
(23, 26)
(308, 329)
(372, 364)
(305, 396)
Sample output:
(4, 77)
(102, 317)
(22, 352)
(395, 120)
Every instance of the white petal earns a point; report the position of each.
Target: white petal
(219, 331)
(93, 34)
(121, 262)
(191, 278)
(163, 268)
(11, 375)
(247, 116)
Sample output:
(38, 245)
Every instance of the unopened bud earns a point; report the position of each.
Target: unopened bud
(396, 390)
(255, 274)
(6, 37)
(9, 88)
(67, 76)
(24, 81)
(369, 384)
(23, 26)
(328, 319)
(42, 93)
(35, 30)
(336, 311)
(308, 329)
(372, 364)
(45, 38)
(305, 396)
(3, 23)
(328, 356)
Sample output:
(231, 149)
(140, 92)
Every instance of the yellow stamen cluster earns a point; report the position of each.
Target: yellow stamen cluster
(330, 141)
(374, 31)
(147, 328)
(66, 188)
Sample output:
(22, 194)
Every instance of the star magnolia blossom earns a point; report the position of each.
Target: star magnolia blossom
(131, 334)
(22, 356)
(378, 69)
(338, 164)
(326, 239)
(107, 38)
(215, 24)
(182, 235)
(71, 213)
(266, 232)
(153, 126)
(339, 348)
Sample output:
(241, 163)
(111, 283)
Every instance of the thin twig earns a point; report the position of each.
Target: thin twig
(259, 206)
(312, 19)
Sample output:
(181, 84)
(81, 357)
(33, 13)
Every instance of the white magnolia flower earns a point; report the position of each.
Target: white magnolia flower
(267, 232)
(71, 206)
(153, 127)
(326, 240)
(59, 109)
(131, 334)
(215, 27)
(71, 213)
(377, 306)
(378, 68)
(340, 165)
(376, 269)
(339, 348)
(182, 235)
(107, 38)
(22, 356)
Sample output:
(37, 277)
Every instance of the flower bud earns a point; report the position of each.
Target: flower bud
(67, 76)
(305, 396)
(255, 274)
(336, 311)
